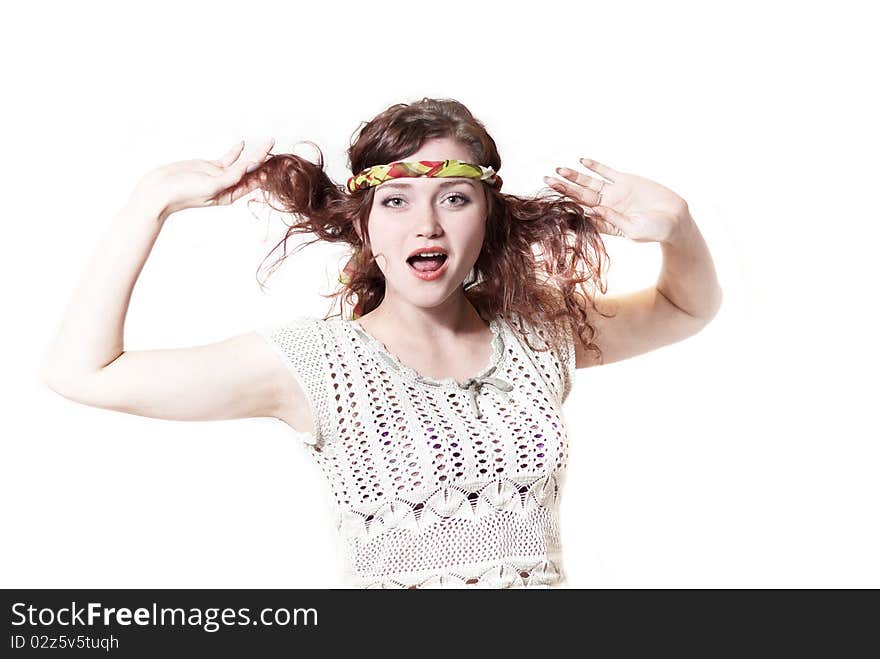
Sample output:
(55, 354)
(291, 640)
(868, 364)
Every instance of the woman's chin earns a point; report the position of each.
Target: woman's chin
(428, 297)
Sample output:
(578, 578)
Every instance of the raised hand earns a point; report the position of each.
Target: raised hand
(200, 183)
(624, 204)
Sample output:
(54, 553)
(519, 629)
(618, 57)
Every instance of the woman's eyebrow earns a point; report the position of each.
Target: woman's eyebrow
(445, 184)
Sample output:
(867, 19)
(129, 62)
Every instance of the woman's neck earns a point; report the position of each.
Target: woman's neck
(419, 326)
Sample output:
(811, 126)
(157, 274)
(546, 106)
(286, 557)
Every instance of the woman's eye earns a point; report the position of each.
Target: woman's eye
(462, 200)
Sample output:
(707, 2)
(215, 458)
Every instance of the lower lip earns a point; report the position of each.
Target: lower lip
(429, 276)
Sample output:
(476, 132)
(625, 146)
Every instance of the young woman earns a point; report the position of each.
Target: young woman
(434, 406)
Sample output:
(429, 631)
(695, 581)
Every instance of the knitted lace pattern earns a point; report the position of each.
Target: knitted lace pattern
(437, 483)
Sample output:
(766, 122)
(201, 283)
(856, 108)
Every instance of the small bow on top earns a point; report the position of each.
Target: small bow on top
(473, 385)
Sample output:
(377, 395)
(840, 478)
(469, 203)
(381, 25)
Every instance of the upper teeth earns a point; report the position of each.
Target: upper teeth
(430, 254)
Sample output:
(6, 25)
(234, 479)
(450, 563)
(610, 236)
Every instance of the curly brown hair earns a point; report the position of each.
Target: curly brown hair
(539, 256)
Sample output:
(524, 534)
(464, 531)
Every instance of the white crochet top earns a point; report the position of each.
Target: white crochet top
(436, 483)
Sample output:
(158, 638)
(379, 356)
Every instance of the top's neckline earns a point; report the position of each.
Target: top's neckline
(412, 374)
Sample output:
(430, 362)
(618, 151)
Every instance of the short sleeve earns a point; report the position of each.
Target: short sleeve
(556, 362)
(300, 346)
(567, 358)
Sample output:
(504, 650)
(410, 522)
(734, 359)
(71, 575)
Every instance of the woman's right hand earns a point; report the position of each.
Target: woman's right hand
(200, 183)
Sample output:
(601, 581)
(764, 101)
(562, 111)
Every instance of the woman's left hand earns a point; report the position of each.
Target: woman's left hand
(624, 205)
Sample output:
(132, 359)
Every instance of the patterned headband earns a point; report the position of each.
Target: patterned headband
(378, 174)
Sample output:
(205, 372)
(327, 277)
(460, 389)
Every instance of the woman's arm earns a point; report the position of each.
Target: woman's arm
(688, 278)
(686, 297)
(86, 362)
(91, 333)
(687, 294)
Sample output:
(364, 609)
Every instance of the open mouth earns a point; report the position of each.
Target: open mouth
(427, 262)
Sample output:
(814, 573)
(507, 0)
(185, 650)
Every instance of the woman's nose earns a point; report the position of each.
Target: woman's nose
(428, 223)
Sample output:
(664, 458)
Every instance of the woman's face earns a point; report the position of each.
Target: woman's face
(412, 213)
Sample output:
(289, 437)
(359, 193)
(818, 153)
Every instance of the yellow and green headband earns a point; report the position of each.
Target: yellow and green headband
(378, 174)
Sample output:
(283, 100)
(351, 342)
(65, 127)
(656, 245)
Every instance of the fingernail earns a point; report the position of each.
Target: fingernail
(252, 167)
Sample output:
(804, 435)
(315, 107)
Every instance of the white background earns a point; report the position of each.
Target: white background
(745, 456)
